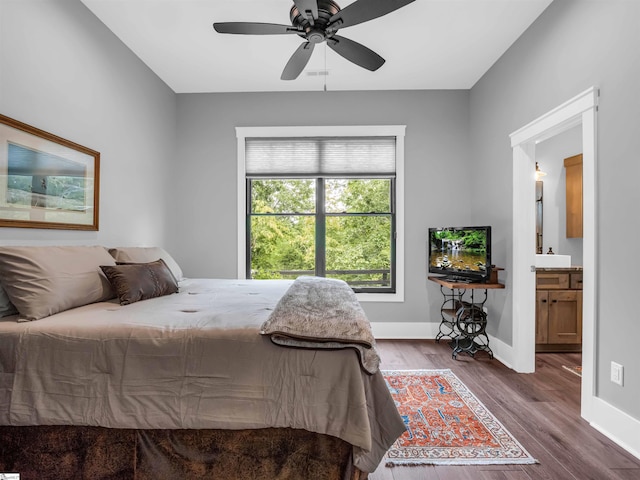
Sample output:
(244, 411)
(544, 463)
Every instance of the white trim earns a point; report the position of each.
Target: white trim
(589, 252)
(322, 131)
(618, 426)
(579, 110)
(558, 120)
(242, 199)
(397, 131)
(428, 331)
(524, 247)
(501, 351)
(385, 297)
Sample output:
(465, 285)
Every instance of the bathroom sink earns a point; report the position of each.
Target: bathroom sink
(553, 261)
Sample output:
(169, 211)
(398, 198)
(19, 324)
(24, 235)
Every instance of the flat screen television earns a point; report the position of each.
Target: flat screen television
(460, 253)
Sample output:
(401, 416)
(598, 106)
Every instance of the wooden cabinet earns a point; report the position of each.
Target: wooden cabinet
(573, 171)
(558, 311)
(542, 317)
(552, 281)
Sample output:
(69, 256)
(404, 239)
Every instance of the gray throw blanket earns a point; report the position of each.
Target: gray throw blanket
(322, 313)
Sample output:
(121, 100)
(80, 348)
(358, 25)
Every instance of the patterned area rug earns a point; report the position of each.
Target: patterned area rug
(446, 423)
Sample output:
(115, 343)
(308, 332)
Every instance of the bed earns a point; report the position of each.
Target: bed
(174, 384)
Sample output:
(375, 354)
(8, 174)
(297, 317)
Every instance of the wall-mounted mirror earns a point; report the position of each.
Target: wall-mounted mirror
(539, 216)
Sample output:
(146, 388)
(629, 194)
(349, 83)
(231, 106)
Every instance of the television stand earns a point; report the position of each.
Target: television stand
(463, 319)
(456, 279)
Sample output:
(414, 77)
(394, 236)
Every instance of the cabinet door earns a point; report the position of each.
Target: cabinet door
(542, 316)
(573, 166)
(565, 317)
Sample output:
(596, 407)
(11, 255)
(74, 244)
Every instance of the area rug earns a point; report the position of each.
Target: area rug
(573, 369)
(446, 423)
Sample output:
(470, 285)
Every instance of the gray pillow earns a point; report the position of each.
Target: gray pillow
(133, 282)
(41, 281)
(146, 255)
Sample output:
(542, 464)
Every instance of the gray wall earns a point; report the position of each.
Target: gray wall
(64, 72)
(572, 46)
(436, 159)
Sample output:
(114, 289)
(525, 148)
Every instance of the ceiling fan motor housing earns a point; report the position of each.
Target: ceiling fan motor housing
(314, 30)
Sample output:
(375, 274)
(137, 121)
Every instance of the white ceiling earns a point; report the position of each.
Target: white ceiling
(428, 44)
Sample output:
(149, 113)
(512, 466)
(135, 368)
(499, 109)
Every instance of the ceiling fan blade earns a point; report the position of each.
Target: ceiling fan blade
(364, 10)
(355, 52)
(254, 28)
(309, 8)
(298, 61)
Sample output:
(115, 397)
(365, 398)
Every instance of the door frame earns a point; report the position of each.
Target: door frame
(580, 110)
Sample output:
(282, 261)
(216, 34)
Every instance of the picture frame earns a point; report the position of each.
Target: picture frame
(46, 181)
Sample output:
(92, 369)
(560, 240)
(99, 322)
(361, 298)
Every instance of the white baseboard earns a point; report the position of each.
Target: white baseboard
(428, 331)
(621, 428)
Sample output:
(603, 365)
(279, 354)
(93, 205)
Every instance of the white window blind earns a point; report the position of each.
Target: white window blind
(320, 156)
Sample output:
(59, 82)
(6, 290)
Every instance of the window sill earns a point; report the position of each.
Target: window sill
(380, 297)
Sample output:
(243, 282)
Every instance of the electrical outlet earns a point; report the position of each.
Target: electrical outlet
(617, 373)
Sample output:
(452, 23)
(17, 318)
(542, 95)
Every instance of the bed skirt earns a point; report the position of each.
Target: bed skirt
(77, 452)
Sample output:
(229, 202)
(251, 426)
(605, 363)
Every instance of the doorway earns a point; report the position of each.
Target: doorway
(557, 231)
(580, 110)
(553, 231)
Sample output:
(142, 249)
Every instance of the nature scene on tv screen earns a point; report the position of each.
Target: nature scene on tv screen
(461, 250)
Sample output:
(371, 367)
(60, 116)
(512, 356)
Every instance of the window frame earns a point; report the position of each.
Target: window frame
(397, 131)
(321, 215)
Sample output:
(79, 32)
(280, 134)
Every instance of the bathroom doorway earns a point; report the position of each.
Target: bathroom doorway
(551, 173)
(579, 111)
(559, 307)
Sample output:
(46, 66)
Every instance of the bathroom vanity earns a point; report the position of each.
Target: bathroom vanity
(559, 309)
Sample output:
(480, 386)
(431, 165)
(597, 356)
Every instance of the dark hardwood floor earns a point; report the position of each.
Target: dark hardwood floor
(542, 410)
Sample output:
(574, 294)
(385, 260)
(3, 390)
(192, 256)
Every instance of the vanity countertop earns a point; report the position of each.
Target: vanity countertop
(573, 268)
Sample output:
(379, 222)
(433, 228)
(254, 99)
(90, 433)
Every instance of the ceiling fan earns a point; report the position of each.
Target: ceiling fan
(317, 21)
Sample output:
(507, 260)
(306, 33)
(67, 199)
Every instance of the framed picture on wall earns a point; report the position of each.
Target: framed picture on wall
(46, 181)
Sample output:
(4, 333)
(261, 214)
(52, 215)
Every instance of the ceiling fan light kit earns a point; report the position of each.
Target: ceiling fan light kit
(317, 21)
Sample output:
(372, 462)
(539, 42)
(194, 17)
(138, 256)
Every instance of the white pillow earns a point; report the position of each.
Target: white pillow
(146, 255)
(41, 281)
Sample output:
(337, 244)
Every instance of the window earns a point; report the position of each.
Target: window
(323, 204)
